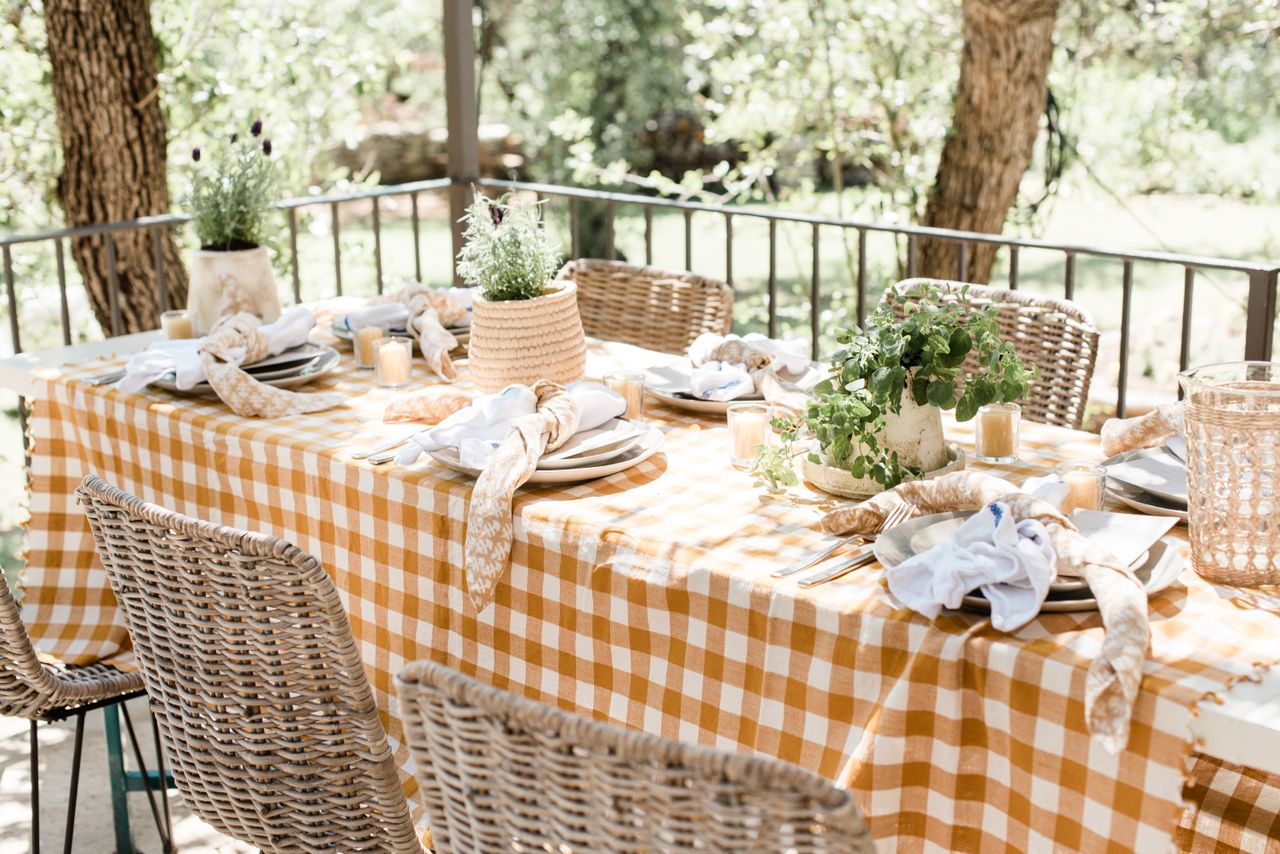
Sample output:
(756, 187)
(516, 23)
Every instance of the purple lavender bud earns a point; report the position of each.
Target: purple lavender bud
(266, 147)
(234, 137)
(256, 127)
(495, 213)
(195, 154)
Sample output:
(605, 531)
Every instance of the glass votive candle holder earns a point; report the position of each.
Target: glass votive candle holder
(1086, 486)
(629, 384)
(997, 439)
(394, 357)
(365, 344)
(176, 324)
(748, 429)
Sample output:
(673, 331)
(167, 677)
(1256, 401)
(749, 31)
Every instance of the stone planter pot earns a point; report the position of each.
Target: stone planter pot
(224, 283)
(523, 341)
(838, 481)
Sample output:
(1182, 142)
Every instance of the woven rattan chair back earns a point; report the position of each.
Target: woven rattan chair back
(500, 773)
(255, 680)
(1057, 336)
(650, 307)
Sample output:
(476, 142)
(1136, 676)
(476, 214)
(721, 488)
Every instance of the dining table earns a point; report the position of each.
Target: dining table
(646, 599)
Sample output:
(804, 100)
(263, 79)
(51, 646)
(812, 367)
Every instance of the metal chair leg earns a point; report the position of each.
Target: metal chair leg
(164, 778)
(166, 840)
(119, 783)
(35, 791)
(69, 833)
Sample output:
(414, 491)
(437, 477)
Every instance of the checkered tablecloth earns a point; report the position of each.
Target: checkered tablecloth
(645, 599)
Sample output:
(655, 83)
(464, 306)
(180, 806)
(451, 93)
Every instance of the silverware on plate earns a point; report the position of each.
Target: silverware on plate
(107, 378)
(866, 555)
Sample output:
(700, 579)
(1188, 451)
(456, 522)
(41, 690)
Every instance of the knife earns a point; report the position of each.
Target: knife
(865, 556)
(810, 560)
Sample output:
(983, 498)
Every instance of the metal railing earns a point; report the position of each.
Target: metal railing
(1261, 279)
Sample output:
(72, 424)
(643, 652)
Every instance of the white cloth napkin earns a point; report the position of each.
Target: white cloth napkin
(395, 315)
(183, 357)
(479, 429)
(720, 381)
(1012, 563)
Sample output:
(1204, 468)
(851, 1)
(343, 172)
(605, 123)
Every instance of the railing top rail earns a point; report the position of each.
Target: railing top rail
(177, 219)
(658, 202)
(914, 230)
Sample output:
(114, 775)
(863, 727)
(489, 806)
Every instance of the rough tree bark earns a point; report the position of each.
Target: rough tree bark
(996, 118)
(103, 56)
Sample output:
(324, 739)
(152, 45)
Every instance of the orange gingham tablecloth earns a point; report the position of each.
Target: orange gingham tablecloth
(645, 599)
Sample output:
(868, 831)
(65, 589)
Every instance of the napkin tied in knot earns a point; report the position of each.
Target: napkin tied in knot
(1144, 431)
(238, 340)
(426, 313)
(490, 529)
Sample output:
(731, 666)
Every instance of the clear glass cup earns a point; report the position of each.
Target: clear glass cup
(1086, 486)
(748, 429)
(394, 358)
(365, 343)
(176, 324)
(997, 432)
(629, 384)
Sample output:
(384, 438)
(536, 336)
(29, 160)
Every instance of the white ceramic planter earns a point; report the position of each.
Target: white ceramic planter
(224, 283)
(916, 434)
(523, 341)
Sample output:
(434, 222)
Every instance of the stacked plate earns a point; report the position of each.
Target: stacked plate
(1153, 480)
(672, 385)
(1157, 566)
(590, 454)
(341, 329)
(284, 370)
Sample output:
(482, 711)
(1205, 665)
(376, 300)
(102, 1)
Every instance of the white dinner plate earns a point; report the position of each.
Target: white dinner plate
(340, 329)
(1156, 471)
(1158, 568)
(327, 360)
(670, 384)
(1138, 499)
(600, 445)
(649, 444)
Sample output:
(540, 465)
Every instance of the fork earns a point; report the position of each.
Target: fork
(896, 517)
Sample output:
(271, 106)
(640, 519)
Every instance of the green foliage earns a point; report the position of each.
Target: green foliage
(775, 463)
(507, 252)
(922, 355)
(229, 199)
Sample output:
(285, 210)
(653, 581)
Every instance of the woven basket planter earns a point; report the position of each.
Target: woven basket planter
(523, 341)
(839, 481)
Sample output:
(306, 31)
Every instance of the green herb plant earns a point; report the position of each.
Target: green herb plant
(921, 354)
(506, 252)
(230, 200)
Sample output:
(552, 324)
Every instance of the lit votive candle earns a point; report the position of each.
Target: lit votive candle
(394, 362)
(748, 429)
(1086, 486)
(366, 345)
(997, 439)
(629, 384)
(177, 324)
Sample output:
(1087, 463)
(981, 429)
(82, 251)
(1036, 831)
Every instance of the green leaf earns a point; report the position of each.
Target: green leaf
(966, 407)
(941, 393)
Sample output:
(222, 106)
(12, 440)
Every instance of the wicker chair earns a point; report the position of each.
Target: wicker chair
(255, 678)
(662, 310)
(1057, 336)
(41, 693)
(502, 773)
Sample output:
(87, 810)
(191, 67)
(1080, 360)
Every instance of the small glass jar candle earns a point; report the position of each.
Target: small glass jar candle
(366, 346)
(748, 429)
(629, 384)
(177, 324)
(1086, 486)
(394, 366)
(997, 439)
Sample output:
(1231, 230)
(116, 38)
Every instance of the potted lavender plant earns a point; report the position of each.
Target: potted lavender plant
(231, 270)
(525, 325)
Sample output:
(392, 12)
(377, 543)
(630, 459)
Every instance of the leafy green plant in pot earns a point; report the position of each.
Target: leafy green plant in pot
(878, 418)
(230, 195)
(525, 325)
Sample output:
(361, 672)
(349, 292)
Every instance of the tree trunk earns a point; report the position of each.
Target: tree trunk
(996, 118)
(103, 56)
